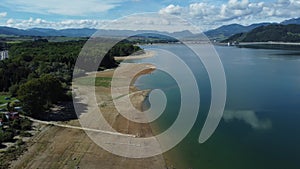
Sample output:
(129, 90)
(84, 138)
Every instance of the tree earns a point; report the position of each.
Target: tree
(30, 95)
(38, 95)
(13, 90)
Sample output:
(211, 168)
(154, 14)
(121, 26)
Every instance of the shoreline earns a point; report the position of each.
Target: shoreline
(145, 93)
(147, 54)
(137, 97)
(262, 43)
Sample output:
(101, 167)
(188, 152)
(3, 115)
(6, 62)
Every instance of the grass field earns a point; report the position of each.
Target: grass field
(3, 101)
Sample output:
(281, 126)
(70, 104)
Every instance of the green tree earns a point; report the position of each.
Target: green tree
(13, 90)
(38, 95)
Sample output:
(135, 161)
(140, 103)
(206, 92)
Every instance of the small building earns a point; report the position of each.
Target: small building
(3, 55)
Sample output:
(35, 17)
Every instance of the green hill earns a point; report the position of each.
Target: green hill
(274, 32)
(226, 31)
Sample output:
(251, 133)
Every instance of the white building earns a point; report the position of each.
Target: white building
(3, 54)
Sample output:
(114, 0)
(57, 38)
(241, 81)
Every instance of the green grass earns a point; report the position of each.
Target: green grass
(3, 101)
(64, 39)
(99, 81)
(293, 34)
(7, 36)
(14, 42)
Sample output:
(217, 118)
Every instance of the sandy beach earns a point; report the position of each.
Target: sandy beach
(146, 54)
(64, 147)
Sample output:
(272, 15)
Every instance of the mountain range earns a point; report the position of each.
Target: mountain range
(291, 21)
(46, 32)
(84, 32)
(218, 34)
(226, 31)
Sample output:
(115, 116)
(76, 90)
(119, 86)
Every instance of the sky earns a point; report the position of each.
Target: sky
(205, 14)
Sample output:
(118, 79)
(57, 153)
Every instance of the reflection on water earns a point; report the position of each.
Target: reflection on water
(249, 117)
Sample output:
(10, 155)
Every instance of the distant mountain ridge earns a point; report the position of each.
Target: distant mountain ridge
(291, 21)
(218, 34)
(85, 32)
(273, 32)
(226, 31)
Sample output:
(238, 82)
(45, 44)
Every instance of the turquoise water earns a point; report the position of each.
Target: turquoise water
(261, 124)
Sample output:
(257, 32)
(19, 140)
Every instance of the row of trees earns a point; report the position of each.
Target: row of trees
(29, 60)
(122, 49)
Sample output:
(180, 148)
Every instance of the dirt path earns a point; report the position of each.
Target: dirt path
(53, 123)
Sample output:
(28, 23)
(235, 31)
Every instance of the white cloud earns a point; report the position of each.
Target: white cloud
(283, 9)
(41, 23)
(152, 21)
(235, 4)
(206, 15)
(209, 15)
(3, 14)
(10, 22)
(147, 21)
(171, 9)
(202, 10)
(62, 7)
(234, 9)
(283, 2)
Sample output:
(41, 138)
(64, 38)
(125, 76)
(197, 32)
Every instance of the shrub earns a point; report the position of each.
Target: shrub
(25, 134)
(20, 142)
(25, 124)
(6, 136)
(15, 124)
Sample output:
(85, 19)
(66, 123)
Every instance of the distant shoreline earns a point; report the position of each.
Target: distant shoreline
(147, 54)
(264, 45)
(261, 43)
(270, 43)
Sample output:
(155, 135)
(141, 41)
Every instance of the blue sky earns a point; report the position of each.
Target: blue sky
(206, 14)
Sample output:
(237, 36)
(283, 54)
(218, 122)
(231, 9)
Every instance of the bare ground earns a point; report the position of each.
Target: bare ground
(65, 148)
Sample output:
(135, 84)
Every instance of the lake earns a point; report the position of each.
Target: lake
(260, 127)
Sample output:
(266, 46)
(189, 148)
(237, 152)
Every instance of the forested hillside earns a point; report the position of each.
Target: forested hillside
(275, 32)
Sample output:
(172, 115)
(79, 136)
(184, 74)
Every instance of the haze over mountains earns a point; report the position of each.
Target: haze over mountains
(83, 32)
(220, 33)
